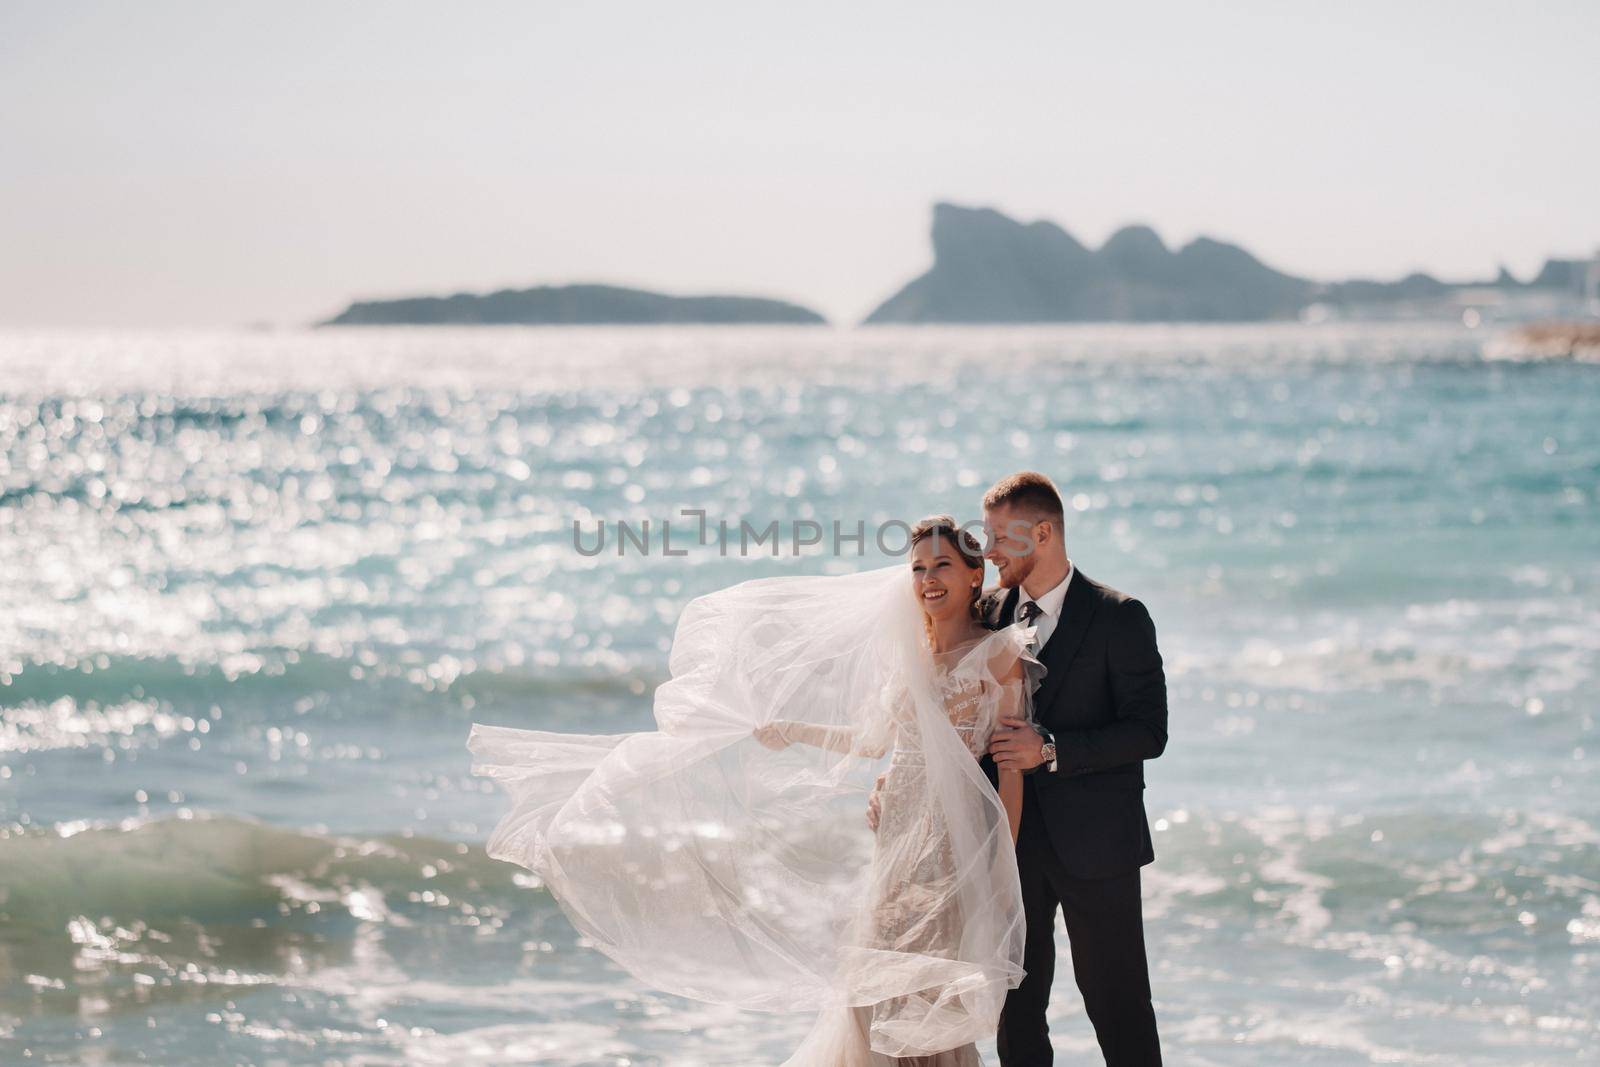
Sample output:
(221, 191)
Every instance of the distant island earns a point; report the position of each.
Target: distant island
(990, 268)
(560, 305)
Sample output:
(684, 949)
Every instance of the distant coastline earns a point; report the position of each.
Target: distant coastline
(991, 269)
(574, 305)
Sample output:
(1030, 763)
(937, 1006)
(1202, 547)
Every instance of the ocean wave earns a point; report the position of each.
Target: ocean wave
(277, 677)
(1450, 893)
(232, 869)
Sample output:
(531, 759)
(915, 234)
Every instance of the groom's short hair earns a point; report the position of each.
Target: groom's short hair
(1028, 492)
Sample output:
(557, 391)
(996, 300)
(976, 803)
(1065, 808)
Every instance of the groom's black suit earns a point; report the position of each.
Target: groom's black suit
(1084, 835)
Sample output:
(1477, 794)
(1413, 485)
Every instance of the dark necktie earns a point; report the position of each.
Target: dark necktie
(1029, 611)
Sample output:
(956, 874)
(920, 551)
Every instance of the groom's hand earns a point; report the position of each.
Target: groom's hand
(1016, 745)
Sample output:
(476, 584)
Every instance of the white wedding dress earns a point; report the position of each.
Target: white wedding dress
(715, 868)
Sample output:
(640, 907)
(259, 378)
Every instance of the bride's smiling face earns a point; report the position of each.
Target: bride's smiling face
(941, 579)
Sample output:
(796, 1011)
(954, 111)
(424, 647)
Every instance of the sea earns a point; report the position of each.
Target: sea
(256, 586)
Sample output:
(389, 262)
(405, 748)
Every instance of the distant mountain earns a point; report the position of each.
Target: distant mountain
(989, 268)
(571, 305)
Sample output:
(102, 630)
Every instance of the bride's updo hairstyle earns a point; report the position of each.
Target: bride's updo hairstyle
(943, 530)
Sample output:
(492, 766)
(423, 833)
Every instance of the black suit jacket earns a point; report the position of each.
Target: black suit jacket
(1104, 699)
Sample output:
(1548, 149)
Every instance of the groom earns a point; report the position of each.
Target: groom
(1100, 712)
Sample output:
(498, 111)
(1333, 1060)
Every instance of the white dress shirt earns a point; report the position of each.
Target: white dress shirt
(1049, 607)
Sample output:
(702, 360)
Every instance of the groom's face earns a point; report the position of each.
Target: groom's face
(1011, 545)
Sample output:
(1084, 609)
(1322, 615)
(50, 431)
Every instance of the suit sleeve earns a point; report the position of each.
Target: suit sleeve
(1138, 730)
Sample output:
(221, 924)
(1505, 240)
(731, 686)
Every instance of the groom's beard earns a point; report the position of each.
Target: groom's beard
(1016, 571)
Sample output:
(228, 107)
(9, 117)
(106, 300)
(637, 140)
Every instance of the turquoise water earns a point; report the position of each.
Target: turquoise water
(258, 585)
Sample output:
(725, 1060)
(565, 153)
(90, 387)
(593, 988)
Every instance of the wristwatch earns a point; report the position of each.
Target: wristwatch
(1048, 752)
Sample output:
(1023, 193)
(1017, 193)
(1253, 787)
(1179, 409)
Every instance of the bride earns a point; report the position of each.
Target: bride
(723, 855)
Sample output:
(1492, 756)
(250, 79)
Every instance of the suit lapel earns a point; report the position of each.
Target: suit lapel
(1076, 613)
(1003, 610)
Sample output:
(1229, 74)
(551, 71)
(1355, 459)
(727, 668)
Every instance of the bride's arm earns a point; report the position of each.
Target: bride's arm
(870, 737)
(781, 733)
(1012, 705)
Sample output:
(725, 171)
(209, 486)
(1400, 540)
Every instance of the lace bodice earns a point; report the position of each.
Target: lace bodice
(973, 701)
(969, 704)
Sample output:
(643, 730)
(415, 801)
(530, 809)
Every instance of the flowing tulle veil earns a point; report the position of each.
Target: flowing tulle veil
(715, 868)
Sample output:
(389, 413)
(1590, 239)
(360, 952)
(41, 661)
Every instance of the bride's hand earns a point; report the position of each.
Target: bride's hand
(772, 736)
(874, 804)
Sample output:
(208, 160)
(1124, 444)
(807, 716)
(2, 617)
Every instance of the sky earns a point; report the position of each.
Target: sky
(217, 163)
